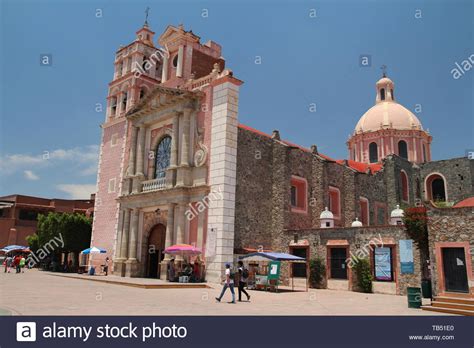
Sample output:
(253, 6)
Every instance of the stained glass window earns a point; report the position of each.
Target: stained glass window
(162, 157)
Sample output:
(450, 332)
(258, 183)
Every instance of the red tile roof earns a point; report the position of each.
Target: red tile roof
(362, 167)
(468, 202)
(358, 166)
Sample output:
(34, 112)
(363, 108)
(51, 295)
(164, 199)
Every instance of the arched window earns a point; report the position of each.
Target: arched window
(144, 64)
(382, 94)
(403, 149)
(162, 157)
(424, 153)
(124, 101)
(373, 153)
(404, 185)
(435, 188)
(113, 106)
(393, 96)
(175, 61)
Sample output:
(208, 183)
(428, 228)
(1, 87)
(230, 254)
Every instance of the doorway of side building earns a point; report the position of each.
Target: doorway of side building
(155, 250)
(299, 269)
(338, 267)
(455, 270)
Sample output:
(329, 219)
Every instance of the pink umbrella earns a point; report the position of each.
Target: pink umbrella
(182, 249)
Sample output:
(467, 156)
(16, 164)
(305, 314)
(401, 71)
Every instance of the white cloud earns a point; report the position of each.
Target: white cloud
(78, 191)
(84, 159)
(29, 175)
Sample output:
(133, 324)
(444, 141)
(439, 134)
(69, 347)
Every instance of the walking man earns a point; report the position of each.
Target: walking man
(228, 283)
(243, 278)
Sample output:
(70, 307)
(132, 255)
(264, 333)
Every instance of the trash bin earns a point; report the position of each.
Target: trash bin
(414, 297)
(426, 288)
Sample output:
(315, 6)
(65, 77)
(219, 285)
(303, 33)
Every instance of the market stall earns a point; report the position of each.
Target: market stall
(265, 269)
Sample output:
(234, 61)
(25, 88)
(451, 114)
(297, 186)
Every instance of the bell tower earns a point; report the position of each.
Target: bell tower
(137, 69)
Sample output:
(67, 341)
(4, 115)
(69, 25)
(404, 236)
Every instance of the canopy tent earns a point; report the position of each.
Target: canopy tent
(20, 248)
(94, 250)
(265, 256)
(182, 249)
(272, 256)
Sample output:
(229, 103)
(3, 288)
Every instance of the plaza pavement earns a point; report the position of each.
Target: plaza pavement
(43, 293)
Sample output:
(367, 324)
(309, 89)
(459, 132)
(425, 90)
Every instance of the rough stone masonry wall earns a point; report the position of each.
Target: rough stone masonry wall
(449, 225)
(373, 188)
(357, 239)
(459, 175)
(392, 167)
(253, 207)
(264, 170)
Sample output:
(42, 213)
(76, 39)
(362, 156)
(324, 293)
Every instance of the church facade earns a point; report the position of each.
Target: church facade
(176, 166)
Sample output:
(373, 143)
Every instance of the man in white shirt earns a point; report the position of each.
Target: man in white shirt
(228, 283)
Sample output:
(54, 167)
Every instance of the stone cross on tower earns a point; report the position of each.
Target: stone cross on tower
(147, 10)
(384, 70)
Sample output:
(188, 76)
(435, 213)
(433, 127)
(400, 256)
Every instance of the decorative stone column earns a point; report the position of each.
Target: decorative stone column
(164, 71)
(140, 150)
(171, 171)
(183, 173)
(168, 240)
(181, 227)
(179, 68)
(132, 262)
(139, 176)
(120, 269)
(133, 151)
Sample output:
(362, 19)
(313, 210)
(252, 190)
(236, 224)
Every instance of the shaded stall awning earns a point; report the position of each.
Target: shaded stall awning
(266, 256)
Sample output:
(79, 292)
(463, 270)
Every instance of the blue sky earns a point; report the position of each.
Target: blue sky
(49, 126)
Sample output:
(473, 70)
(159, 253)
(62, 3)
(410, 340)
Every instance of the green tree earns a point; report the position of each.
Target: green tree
(76, 230)
(73, 229)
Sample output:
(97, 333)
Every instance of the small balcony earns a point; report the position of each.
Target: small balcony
(154, 185)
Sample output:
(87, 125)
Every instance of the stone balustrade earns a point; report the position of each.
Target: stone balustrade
(154, 185)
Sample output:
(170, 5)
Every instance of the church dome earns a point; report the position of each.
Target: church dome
(388, 128)
(388, 114)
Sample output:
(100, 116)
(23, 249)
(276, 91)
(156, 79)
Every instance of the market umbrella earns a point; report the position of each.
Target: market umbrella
(182, 249)
(10, 248)
(94, 250)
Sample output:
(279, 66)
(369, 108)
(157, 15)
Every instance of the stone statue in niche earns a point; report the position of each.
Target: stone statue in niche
(200, 155)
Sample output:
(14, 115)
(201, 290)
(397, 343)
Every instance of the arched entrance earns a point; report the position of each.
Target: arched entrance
(436, 188)
(155, 250)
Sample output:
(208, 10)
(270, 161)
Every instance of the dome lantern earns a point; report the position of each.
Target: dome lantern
(396, 216)
(326, 218)
(356, 223)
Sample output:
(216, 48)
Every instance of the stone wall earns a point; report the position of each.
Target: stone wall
(358, 240)
(459, 175)
(455, 225)
(253, 206)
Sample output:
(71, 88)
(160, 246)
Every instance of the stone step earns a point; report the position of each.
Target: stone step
(463, 306)
(455, 299)
(448, 310)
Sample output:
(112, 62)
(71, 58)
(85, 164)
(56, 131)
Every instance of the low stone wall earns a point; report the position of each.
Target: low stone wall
(360, 242)
(450, 225)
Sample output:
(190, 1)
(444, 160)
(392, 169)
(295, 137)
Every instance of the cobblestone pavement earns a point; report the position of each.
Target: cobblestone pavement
(41, 293)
